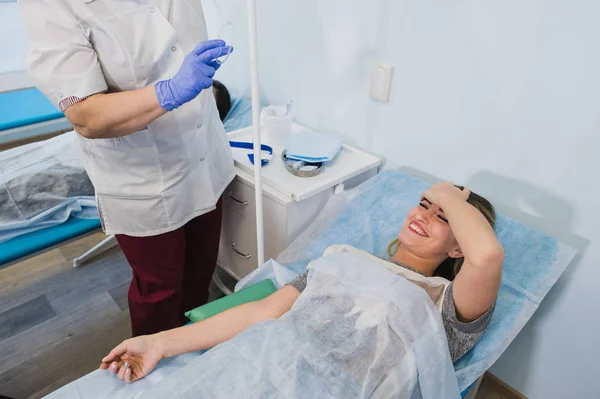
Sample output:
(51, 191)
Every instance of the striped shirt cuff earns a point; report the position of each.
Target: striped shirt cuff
(69, 101)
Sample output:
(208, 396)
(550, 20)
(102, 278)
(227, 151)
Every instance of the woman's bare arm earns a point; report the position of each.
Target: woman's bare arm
(224, 326)
(104, 116)
(476, 286)
(136, 357)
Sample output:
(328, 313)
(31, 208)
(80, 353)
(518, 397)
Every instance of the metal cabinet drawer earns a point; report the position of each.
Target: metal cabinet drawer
(237, 251)
(240, 198)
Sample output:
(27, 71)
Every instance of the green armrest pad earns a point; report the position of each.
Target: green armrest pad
(253, 293)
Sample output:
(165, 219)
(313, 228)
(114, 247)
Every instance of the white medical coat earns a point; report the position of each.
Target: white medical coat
(155, 180)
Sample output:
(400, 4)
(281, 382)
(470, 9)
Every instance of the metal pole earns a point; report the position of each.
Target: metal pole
(252, 37)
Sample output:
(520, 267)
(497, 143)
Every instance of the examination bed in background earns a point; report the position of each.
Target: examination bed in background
(369, 217)
(46, 197)
(26, 113)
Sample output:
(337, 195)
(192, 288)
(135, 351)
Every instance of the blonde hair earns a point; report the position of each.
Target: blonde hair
(450, 267)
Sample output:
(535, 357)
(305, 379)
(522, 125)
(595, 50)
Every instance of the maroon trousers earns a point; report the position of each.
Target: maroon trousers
(171, 272)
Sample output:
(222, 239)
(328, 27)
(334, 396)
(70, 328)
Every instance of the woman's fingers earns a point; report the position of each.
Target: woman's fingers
(123, 369)
(112, 361)
(116, 352)
(208, 45)
(126, 367)
(133, 370)
(114, 368)
(214, 53)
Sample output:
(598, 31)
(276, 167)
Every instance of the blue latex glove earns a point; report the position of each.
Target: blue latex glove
(195, 75)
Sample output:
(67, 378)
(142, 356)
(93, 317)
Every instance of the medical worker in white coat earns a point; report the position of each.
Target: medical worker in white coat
(133, 77)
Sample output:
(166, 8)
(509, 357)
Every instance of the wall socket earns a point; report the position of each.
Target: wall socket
(381, 82)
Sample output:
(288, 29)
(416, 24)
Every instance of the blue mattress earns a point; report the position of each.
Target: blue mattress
(25, 107)
(38, 240)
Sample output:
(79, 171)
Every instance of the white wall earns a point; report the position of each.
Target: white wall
(13, 49)
(227, 20)
(502, 96)
(13, 41)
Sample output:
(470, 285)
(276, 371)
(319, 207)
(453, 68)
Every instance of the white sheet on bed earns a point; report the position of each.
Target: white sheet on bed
(41, 185)
(357, 331)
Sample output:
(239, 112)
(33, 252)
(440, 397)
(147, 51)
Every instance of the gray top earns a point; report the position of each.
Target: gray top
(461, 336)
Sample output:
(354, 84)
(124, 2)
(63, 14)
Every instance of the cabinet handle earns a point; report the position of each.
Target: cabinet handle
(243, 255)
(237, 200)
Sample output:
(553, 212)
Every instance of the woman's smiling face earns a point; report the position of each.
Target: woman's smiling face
(426, 231)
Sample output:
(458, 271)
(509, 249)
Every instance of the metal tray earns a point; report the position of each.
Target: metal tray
(302, 173)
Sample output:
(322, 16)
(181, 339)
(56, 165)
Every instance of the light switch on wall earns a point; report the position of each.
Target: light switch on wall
(381, 82)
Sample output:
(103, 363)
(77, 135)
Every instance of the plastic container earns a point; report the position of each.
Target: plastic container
(276, 125)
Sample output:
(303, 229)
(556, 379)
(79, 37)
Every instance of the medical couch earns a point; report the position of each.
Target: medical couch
(25, 114)
(361, 217)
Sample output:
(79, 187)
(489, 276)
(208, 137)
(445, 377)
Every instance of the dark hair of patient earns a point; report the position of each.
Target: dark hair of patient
(222, 98)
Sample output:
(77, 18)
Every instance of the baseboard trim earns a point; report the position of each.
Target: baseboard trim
(494, 384)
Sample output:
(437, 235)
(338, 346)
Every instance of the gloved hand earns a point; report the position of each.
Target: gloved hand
(195, 75)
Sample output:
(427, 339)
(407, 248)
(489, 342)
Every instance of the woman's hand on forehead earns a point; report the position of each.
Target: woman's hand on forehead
(436, 192)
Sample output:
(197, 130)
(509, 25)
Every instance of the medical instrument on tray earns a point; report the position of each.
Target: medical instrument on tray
(302, 168)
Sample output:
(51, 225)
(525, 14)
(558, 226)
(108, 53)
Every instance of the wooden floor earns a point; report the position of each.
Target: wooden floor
(57, 322)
